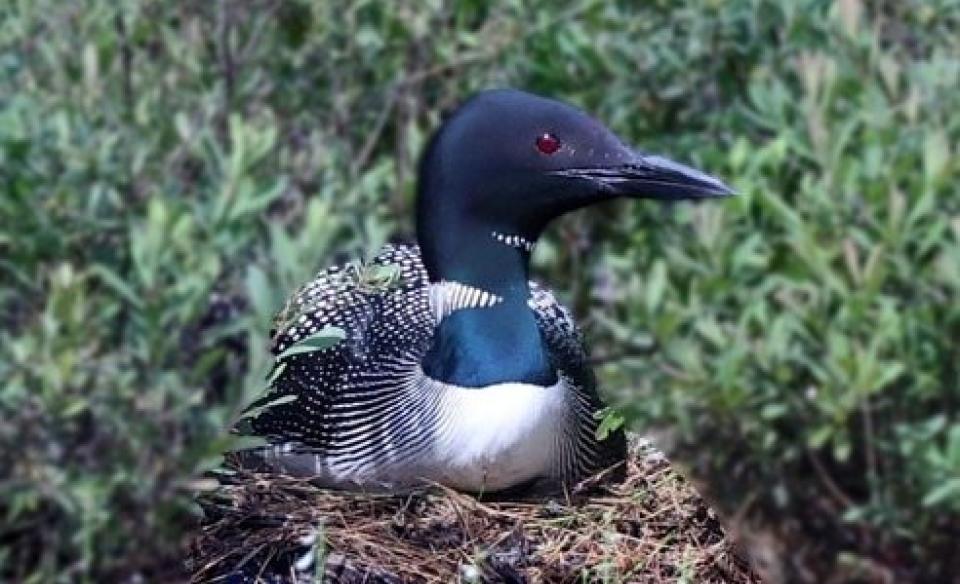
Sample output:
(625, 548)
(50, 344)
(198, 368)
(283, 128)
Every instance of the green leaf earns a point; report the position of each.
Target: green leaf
(773, 411)
(888, 374)
(842, 449)
(74, 407)
(275, 374)
(950, 489)
(260, 293)
(323, 339)
(245, 442)
(257, 410)
(712, 332)
(610, 421)
(936, 155)
(819, 437)
(656, 285)
(381, 278)
(208, 463)
(116, 283)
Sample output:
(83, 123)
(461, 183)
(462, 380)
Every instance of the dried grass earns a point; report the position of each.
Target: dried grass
(652, 528)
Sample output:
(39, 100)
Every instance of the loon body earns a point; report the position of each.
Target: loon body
(463, 372)
(383, 422)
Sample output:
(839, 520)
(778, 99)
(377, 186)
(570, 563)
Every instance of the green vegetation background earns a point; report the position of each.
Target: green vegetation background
(170, 170)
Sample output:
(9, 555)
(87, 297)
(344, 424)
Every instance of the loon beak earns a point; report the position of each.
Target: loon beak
(648, 176)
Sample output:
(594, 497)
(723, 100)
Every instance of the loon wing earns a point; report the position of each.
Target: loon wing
(568, 354)
(345, 399)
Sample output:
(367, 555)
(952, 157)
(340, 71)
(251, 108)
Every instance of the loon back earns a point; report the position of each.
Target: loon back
(364, 414)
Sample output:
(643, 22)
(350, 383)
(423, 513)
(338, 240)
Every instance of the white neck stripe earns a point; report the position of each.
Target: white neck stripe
(517, 241)
(446, 297)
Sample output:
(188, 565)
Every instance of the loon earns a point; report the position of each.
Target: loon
(464, 373)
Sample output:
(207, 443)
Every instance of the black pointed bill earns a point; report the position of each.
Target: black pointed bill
(649, 176)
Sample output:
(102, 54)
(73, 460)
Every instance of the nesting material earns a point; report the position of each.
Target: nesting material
(652, 528)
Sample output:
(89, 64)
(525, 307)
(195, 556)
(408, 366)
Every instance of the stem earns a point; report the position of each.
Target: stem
(832, 487)
(126, 64)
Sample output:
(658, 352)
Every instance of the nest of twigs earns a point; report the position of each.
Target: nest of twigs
(652, 528)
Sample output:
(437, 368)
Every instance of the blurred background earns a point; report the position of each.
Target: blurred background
(171, 170)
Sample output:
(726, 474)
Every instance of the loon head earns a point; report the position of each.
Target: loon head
(496, 173)
(508, 162)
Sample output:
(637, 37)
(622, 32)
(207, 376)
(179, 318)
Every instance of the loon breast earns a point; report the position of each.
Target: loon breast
(494, 437)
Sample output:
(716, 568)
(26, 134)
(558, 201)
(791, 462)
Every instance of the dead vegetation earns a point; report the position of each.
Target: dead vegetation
(652, 528)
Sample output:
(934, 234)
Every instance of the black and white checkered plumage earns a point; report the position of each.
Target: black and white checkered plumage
(365, 414)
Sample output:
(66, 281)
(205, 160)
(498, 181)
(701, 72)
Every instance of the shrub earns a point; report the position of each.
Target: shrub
(171, 170)
(808, 360)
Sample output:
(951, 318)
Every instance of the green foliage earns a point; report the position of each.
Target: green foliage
(808, 329)
(171, 171)
(610, 421)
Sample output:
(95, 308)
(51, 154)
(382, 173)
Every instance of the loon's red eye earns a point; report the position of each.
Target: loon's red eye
(547, 143)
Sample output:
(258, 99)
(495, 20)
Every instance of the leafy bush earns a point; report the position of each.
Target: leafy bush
(808, 331)
(171, 170)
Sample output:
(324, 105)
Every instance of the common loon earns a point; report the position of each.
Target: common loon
(465, 373)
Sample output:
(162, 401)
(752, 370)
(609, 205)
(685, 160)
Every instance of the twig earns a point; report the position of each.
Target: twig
(870, 446)
(374, 136)
(608, 358)
(253, 39)
(393, 95)
(832, 487)
(227, 63)
(126, 64)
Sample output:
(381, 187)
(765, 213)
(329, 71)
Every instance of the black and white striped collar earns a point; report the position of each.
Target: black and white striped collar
(446, 297)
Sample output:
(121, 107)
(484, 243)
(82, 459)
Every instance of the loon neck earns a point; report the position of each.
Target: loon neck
(484, 343)
(479, 255)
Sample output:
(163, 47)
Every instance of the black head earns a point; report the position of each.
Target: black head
(518, 160)
(509, 161)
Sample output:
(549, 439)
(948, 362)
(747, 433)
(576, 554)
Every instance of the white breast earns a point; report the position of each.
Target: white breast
(482, 439)
(498, 436)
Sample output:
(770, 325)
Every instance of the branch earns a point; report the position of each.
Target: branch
(613, 357)
(126, 63)
(832, 487)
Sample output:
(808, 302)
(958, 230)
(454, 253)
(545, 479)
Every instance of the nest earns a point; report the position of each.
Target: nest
(652, 528)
